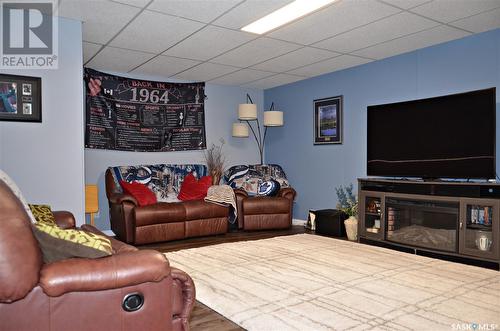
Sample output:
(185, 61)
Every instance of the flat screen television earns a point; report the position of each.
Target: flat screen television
(450, 136)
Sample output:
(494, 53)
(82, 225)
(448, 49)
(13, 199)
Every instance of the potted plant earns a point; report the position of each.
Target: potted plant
(348, 203)
(215, 161)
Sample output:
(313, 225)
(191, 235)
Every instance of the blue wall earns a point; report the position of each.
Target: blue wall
(462, 65)
(46, 159)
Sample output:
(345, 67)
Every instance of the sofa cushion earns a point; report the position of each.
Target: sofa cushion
(199, 209)
(59, 244)
(161, 212)
(194, 189)
(43, 214)
(265, 205)
(140, 192)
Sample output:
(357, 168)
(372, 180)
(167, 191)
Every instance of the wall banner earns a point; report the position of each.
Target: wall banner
(143, 116)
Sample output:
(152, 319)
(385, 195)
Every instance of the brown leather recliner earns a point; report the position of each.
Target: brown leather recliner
(84, 294)
(265, 213)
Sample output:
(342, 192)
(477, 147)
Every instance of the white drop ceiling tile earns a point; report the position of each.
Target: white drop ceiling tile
(206, 71)
(89, 50)
(295, 59)
(480, 22)
(386, 29)
(323, 67)
(117, 59)
(255, 51)
(412, 42)
(165, 66)
(406, 4)
(248, 12)
(273, 81)
(154, 32)
(199, 10)
(101, 19)
(241, 77)
(209, 42)
(337, 18)
(450, 10)
(135, 3)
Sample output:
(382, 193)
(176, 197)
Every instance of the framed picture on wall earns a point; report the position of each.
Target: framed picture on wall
(328, 121)
(20, 98)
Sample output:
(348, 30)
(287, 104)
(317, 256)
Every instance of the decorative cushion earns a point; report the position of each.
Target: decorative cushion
(43, 214)
(59, 244)
(193, 189)
(268, 188)
(140, 192)
(17, 192)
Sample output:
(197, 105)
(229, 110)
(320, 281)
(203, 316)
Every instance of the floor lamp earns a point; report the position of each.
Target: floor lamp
(247, 116)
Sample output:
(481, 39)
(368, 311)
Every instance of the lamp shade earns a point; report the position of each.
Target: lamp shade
(273, 118)
(247, 111)
(240, 130)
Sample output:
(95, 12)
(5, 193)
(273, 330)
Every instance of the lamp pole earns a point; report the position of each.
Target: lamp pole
(261, 139)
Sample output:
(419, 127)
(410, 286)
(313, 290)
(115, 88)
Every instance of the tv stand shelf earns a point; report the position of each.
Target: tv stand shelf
(458, 220)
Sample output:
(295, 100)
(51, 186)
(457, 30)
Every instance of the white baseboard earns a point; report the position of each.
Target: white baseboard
(108, 233)
(296, 221)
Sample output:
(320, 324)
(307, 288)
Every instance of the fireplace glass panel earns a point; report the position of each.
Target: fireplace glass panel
(428, 224)
(372, 215)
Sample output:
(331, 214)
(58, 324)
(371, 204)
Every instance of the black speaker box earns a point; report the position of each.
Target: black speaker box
(330, 222)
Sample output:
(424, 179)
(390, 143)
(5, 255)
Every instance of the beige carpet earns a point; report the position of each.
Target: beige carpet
(309, 282)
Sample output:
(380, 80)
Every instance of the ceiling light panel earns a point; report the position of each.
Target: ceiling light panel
(285, 15)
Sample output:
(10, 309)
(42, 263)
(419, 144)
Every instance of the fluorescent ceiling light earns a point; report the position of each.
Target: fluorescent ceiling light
(285, 14)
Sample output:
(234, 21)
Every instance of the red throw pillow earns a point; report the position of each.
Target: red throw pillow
(140, 192)
(193, 189)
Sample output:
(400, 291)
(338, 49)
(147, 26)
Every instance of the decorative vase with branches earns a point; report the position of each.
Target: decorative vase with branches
(215, 160)
(348, 203)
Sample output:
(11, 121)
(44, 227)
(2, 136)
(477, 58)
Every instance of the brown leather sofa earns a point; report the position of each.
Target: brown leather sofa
(162, 221)
(265, 213)
(84, 294)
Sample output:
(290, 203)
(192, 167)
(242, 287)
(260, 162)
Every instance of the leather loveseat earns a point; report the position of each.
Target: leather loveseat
(256, 212)
(162, 221)
(84, 294)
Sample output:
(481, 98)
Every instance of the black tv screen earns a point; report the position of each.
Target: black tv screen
(450, 136)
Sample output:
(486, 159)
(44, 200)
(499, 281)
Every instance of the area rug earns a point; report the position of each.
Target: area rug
(309, 282)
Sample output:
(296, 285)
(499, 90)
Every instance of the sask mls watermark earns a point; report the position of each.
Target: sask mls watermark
(474, 327)
(29, 35)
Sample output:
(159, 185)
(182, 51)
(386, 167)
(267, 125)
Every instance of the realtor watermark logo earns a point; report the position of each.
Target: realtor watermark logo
(29, 35)
(474, 326)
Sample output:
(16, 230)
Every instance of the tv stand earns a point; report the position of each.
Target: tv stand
(448, 219)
